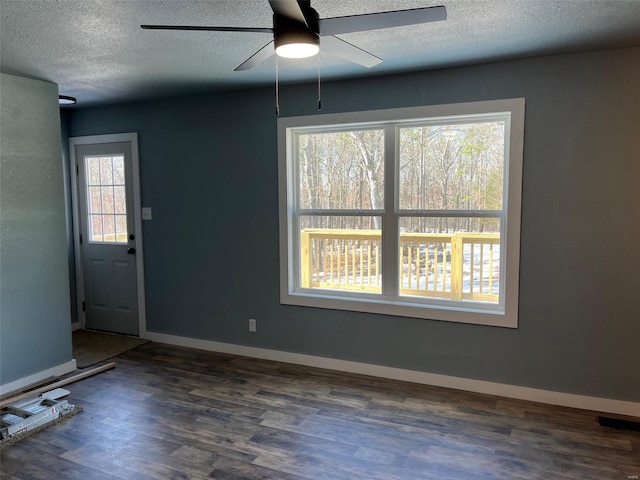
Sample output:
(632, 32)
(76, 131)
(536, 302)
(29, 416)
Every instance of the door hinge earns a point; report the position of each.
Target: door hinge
(80, 238)
(83, 306)
(77, 170)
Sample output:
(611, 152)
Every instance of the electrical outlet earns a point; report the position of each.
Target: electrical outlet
(252, 324)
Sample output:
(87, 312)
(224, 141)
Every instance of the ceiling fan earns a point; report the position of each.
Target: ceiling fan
(298, 32)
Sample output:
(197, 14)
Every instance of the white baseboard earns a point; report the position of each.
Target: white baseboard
(56, 371)
(597, 404)
(75, 326)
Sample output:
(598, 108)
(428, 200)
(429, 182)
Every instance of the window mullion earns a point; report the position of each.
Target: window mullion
(389, 218)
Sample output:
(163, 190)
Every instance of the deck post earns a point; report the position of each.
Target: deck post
(305, 259)
(456, 267)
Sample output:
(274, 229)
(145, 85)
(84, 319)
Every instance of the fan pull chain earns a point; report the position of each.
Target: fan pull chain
(319, 100)
(277, 91)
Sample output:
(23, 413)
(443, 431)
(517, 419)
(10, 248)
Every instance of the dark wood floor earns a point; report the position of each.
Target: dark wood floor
(168, 412)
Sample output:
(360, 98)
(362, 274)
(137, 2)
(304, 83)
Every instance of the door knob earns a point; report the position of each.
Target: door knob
(131, 251)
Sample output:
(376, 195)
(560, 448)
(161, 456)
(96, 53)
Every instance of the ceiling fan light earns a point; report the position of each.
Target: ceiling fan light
(297, 44)
(66, 100)
(297, 50)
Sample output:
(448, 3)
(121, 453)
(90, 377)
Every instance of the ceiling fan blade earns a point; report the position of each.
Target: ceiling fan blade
(206, 29)
(337, 46)
(375, 21)
(257, 58)
(289, 9)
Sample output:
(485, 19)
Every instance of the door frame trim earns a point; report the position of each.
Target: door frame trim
(137, 208)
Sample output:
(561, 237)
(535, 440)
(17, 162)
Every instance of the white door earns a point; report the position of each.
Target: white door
(107, 242)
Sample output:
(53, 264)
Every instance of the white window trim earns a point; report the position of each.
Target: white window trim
(504, 315)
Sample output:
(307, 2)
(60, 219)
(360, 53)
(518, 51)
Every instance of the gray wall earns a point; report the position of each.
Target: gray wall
(209, 170)
(34, 282)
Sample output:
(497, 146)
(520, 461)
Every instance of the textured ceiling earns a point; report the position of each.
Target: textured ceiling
(95, 50)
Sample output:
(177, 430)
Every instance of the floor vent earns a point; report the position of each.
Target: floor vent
(620, 423)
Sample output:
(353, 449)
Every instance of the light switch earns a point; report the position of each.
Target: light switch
(146, 213)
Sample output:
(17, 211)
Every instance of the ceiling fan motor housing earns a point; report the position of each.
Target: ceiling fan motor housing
(301, 36)
(288, 31)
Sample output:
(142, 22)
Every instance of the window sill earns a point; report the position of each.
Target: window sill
(472, 313)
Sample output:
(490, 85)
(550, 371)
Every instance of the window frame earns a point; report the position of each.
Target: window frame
(503, 314)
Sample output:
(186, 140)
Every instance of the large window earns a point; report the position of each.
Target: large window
(412, 212)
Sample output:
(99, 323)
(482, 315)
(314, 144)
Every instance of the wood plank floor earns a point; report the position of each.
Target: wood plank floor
(168, 412)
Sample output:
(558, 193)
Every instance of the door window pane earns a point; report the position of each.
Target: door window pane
(93, 170)
(109, 227)
(95, 230)
(95, 199)
(106, 170)
(106, 199)
(121, 228)
(119, 200)
(118, 170)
